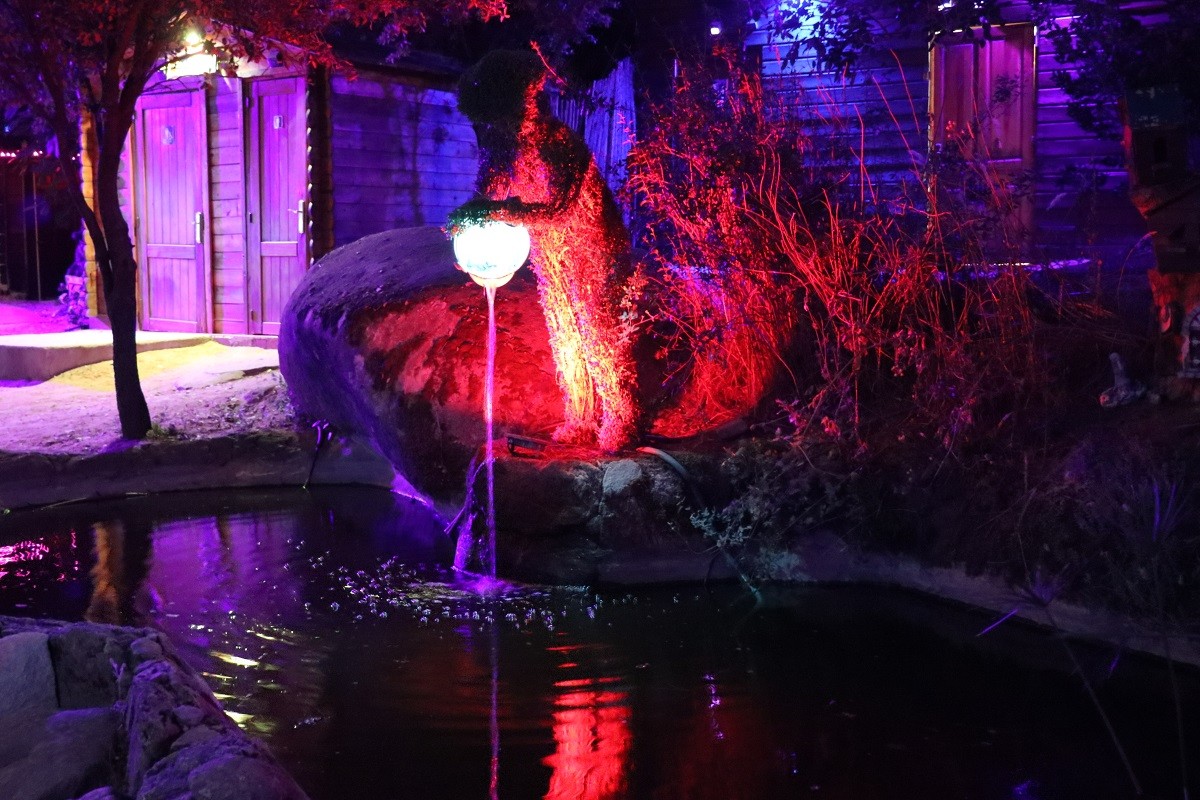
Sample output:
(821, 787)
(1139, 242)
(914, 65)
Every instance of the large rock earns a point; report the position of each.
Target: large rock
(83, 656)
(26, 674)
(156, 719)
(70, 754)
(385, 338)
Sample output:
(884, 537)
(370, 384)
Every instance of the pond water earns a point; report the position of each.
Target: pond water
(326, 625)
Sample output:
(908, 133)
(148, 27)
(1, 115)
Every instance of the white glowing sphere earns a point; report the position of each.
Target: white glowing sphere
(491, 251)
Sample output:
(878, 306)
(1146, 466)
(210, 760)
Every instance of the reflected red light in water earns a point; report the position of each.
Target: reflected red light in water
(592, 743)
(574, 683)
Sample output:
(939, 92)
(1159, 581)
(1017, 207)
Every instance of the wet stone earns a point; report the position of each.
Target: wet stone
(26, 674)
(146, 649)
(70, 754)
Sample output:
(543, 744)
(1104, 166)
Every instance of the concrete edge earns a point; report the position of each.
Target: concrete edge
(28, 360)
(30, 480)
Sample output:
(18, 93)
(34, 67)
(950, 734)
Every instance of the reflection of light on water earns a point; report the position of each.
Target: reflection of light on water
(22, 552)
(714, 702)
(591, 732)
(432, 595)
(236, 661)
(592, 742)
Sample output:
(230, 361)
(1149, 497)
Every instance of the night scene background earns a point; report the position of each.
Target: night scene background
(599, 399)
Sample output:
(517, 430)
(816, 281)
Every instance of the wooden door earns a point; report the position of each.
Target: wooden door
(171, 176)
(277, 202)
(983, 102)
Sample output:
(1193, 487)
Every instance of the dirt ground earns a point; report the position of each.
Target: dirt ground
(198, 392)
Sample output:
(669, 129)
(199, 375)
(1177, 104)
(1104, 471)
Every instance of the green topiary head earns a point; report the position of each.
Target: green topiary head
(495, 88)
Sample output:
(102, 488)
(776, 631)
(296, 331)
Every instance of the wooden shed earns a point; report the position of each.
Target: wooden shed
(901, 105)
(234, 184)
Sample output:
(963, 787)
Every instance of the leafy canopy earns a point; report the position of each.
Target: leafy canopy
(58, 54)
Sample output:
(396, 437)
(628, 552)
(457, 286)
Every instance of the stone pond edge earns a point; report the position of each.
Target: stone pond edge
(277, 459)
(174, 737)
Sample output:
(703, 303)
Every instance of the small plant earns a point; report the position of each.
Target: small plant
(158, 433)
(776, 495)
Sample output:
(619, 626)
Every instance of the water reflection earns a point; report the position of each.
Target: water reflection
(120, 593)
(592, 743)
(324, 624)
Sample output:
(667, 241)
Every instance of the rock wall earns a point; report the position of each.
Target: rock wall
(98, 712)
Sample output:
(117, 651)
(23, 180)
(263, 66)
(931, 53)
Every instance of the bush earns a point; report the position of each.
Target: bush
(880, 311)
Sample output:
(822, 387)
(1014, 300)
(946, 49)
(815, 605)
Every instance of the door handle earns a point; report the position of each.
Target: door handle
(300, 217)
(199, 227)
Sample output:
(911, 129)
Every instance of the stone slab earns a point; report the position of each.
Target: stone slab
(41, 356)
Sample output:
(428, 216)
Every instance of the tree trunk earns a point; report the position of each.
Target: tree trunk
(122, 313)
(120, 294)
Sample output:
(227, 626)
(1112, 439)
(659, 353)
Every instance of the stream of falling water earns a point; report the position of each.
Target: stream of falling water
(485, 579)
(489, 385)
(489, 556)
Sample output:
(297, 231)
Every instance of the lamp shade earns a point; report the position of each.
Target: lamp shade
(491, 251)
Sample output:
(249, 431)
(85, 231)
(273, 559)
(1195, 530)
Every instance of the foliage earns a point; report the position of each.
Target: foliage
(557, 26)
(1108, 49)
(901, 319)
(703, 178)
(776, 493)
(1141, 547)
(840, 33)
(494, 90)
(535, 170)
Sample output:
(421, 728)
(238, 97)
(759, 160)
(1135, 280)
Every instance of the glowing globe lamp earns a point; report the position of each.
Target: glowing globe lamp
(491, 251)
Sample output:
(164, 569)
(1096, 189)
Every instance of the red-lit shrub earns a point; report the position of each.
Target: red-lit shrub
(907, 311)
(723, 297)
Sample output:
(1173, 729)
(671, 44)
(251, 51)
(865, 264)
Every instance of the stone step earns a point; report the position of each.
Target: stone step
(40, 356)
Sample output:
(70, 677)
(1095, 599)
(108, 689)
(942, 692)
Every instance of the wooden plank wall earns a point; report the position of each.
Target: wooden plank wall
(873, 125)
(605, 117)
(1066, 215)
(227, 190)
(401, 155)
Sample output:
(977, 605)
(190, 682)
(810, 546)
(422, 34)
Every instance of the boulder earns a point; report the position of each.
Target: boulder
(84, 657)
(158, 731)
(222, 767)
(26, 674)
(385, 338)
(71, 753)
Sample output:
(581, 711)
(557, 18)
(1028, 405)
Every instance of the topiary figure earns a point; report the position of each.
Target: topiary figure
(536, 171)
